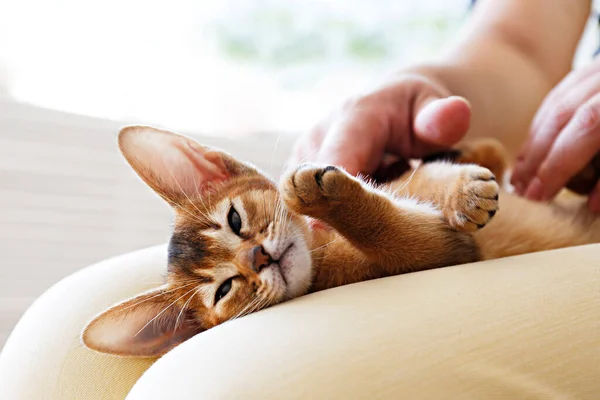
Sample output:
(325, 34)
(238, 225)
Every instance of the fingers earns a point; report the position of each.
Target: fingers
(535, 150)
(561, 92)
(356, 141)
(431, 120)
(537, 146)
(408, 117)
(443, 122)
(573, 149)
(557, 110)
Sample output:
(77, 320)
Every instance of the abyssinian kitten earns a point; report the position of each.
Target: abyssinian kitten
(242, 243)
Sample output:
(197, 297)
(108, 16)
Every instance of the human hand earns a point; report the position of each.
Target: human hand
(409, 116)
(564, 138)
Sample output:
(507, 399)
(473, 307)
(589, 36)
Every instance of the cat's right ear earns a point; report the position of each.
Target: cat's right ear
(174, 166)
(148, 325)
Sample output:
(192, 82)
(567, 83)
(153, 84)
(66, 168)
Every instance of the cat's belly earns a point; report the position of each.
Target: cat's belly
(522, 226)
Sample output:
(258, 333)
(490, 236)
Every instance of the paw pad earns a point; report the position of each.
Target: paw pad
(474, 202)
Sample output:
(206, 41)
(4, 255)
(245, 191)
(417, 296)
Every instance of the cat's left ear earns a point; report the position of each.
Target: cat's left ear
(175, 166)
(148, 325)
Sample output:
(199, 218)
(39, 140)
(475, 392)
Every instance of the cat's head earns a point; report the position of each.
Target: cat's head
(234, 248)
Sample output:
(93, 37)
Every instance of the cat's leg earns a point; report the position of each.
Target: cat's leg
(488, 153)
(464, 189)
(467, 195)
(400, 235)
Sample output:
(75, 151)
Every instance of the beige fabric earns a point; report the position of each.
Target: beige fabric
(518, 328)
(43, 358)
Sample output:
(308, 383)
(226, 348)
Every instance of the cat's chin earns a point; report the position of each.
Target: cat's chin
(295, 267)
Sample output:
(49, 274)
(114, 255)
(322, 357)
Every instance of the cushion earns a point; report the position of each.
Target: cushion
(520, 327)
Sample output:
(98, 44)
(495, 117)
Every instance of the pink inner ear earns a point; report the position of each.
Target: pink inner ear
(175, 166)
(208, 165)
(148, 325)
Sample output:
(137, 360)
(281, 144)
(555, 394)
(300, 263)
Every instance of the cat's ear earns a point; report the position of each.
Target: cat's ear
(174, 166)
(148, 325)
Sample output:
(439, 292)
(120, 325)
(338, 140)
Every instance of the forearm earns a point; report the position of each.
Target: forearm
(503, 87)
(509, 57)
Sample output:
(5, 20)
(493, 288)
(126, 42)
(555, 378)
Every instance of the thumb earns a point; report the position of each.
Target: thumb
(355, 142)
(442, 122)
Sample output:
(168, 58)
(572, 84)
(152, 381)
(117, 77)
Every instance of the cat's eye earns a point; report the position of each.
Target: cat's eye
(223, 290)
(234, 220)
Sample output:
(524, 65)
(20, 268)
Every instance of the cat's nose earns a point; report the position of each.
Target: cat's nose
(259, 258)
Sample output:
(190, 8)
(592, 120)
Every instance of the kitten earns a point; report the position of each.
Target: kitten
(241, 243)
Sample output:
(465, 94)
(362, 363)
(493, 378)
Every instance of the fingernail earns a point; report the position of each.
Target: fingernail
(535, 190)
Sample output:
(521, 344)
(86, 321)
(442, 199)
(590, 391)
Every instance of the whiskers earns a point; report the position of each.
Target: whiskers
(281, 221)
(323, 246)
(257, 302)
(160, 293)
(164, 310)
(198, 196)
(184, 308)
(399, 189)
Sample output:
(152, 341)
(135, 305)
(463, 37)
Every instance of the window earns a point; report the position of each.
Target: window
(229, 67)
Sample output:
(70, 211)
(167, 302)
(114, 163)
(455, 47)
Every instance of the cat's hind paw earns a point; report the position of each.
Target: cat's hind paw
(488, 153)
(473, 202)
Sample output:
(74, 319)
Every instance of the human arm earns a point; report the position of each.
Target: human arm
(510, 54)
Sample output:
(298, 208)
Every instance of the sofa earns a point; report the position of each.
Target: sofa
(525, 327)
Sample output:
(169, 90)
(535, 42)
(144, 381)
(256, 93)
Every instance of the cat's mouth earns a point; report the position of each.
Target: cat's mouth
(291, 270)
(284, 264)
(287, 249)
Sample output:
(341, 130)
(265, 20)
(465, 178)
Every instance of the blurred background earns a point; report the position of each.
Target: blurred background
(220, 66)
(244, 75)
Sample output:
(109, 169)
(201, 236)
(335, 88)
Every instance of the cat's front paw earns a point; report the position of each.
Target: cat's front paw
(473, 200)
(313, 190)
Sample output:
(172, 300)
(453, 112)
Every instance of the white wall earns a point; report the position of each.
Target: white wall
(68, 199)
